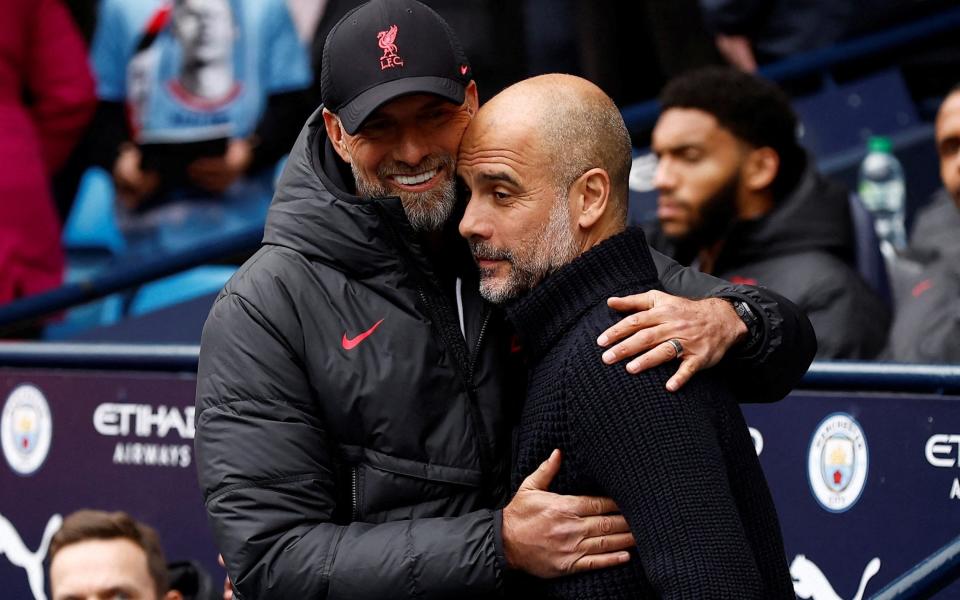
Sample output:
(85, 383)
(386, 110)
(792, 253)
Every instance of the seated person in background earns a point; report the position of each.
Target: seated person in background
(936, 227)
(199, 99)
(749, 32)
(740, 200)
(97, 554)
(546, 166)
(926, 328)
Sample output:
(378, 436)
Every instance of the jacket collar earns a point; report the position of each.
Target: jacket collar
(616, 265)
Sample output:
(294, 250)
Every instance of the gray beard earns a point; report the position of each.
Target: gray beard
(426, 211)
(555, 246)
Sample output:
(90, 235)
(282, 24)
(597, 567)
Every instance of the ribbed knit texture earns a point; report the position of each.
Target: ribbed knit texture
(680, 466)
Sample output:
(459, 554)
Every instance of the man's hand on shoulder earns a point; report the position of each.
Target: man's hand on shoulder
(550, 535)
(705, 329)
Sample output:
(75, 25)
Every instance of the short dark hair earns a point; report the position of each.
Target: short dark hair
(753, 109)
(84, 525)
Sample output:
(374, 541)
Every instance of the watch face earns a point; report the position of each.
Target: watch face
(750, 320)
(743, 309)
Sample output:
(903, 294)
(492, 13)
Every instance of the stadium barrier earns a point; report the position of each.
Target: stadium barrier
(927, 578)
(103, 283)
(862, 461)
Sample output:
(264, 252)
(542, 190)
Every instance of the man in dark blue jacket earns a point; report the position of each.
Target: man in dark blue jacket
(546, 166)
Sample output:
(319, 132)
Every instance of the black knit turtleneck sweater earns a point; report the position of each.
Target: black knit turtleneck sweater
(680, 466)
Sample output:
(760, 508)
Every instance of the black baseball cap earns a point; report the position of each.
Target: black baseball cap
(385, 49)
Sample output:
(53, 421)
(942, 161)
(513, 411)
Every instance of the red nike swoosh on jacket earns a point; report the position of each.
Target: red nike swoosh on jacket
(351, 343)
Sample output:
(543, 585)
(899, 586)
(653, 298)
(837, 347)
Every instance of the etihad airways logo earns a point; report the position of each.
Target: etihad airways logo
(143, 420)
(114, 419)
(943, 451)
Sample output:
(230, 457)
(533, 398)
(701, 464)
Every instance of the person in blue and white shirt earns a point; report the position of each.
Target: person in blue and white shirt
(198, 100)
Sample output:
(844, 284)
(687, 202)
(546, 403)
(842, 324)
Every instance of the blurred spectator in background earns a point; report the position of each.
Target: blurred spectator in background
(753, 32)
(927, 324)
(748, 32)
(306, 14)
(46, 100)
(98, 555)
(199, 100)
(738, 198)
(936, 227)
(631, 49)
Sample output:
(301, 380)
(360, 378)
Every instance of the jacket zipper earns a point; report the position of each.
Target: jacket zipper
(476, 350)
(355, 494)
(465, 364)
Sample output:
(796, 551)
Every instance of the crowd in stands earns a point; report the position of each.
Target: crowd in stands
(189, 106)
(198, 101)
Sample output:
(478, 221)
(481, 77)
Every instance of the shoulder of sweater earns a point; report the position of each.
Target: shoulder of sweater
(579, 360)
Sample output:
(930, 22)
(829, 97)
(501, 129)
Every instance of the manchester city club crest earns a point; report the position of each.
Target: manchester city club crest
(26, 429)
(837, 462)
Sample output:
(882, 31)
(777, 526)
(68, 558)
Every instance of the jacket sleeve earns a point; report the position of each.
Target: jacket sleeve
(265, 467)
(659, 458)
(59, 82)
(850, 319)
(769, 369)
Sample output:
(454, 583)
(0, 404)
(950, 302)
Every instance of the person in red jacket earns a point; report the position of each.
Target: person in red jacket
(46, 100)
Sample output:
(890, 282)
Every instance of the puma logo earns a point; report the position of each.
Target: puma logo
(32, 562)
(809, 582)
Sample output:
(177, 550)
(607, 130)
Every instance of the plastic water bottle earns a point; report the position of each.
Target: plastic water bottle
(883, 192)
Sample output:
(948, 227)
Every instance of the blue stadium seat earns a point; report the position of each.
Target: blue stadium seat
(92, 223)
(92, 241)
(844, 117)
(98, 313)
(179, 288)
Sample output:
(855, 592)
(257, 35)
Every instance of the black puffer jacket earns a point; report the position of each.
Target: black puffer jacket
(349, 443)
(309, 434)
(803, 249)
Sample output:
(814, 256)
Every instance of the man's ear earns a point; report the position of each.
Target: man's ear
(590, 197)
(761, 168)
(336, 134)
(471, 98)
(173, 595)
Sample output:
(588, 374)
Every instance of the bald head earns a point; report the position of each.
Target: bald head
(545, 164)
(576, 127)
(948, 143)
